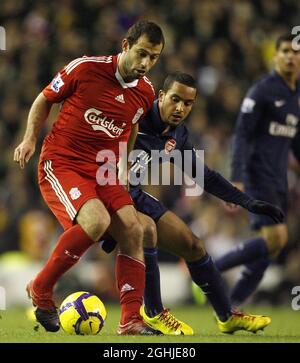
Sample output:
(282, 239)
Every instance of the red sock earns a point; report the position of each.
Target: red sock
(70, 247)
(130, 274)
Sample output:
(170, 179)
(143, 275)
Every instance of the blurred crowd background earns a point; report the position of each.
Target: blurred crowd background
(225, 45)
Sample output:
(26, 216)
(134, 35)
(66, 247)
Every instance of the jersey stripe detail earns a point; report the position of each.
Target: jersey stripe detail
(69, 65)
(151, 196)
(70, 68)
(56, 186)
(147, 80)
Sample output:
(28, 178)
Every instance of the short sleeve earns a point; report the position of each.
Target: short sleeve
(63, 84)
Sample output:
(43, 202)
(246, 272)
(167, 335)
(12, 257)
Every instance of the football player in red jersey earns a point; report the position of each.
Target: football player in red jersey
(103, 98)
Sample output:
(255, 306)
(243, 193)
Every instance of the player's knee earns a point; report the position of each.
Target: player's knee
(255, 270)
(95, 225)
(150, 234)
(133, 234)
(137, 233)
(196, 250)
(276, 239)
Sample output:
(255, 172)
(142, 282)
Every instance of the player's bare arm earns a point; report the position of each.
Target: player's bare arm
(132, 138)
(124, 164)
(37, 116)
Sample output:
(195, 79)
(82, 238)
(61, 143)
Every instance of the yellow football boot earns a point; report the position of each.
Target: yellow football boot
(166, 323)
(242, 321)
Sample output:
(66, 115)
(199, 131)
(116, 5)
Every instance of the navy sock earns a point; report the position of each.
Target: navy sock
(243, 253)
(152, 294)
(252, 274)
(205, 274)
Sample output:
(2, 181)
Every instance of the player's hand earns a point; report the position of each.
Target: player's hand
(24, 152)
(261, 207)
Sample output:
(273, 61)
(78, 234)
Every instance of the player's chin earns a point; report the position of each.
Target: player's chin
(139, 74)
(173, 123)
(290, 68)
(175, 120)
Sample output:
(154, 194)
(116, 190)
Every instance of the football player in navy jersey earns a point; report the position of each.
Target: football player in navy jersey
(163, 128)
(267, 129)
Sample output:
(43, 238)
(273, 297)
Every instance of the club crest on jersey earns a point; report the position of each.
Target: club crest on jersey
(138, 114)
(170, 146)
(102, 123)
(291, 119)
(74, 193)
(57, 83)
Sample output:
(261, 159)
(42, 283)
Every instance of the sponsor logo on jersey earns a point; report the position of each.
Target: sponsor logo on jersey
(288, 130)
(57, 83)
(170, 145)
(120, 98)
(248, 105)
(74, 193)
(138, 114)
(102, 123)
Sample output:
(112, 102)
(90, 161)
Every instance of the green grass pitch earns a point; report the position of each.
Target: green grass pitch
(285, 327)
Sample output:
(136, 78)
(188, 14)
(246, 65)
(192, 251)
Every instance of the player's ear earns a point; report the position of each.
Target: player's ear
(161, 94)
(125, 45)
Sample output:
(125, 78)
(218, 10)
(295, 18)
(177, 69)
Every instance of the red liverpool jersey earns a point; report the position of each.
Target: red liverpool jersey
(98, 108)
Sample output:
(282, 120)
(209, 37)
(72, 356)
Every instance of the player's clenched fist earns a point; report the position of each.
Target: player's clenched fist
(24, 152)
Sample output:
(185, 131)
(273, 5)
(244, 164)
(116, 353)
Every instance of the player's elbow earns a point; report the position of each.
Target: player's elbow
(41, 104)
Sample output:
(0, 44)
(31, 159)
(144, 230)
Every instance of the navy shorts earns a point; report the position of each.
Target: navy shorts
(257, 221)
(147, 204)
(144, 203)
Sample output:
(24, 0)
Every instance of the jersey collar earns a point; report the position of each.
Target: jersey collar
(282, 81)
(120, 78)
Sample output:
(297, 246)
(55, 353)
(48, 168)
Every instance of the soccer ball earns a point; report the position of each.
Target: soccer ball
(82, 313)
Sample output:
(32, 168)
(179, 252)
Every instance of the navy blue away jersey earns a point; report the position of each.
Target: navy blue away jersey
(267, 128)
(151, 137)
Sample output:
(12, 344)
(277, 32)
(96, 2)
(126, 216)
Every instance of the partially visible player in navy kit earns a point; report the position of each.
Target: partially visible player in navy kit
(162, 129)
(267, 128)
